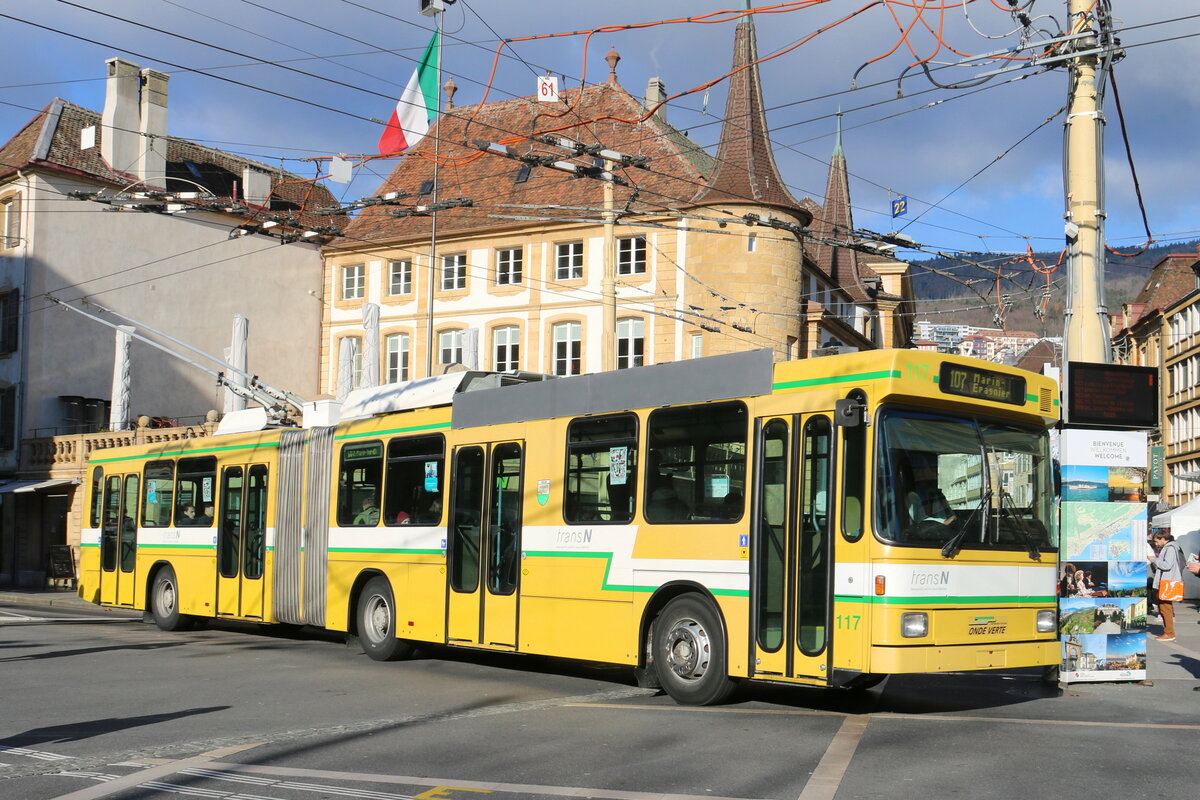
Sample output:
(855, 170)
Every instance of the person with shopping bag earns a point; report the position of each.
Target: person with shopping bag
(1167, 567)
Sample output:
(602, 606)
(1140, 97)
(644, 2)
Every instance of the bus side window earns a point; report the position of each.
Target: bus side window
(601, 469)
(854, 474)
(360, 484)
(696, 464)
(196, 486)
(97, 496)
(415, 479)
(159, 479)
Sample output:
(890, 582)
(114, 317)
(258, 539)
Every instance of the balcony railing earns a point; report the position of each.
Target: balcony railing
(70, 453)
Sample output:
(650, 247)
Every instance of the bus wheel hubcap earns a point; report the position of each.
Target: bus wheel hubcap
(379, 619)
(166, 597)
(688, 649)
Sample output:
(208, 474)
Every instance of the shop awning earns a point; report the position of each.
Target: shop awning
(1162, 520)
(15, 486)
(33, 486)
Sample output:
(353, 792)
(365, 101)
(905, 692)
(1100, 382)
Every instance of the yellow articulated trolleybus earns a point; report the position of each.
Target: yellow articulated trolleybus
(823, 522)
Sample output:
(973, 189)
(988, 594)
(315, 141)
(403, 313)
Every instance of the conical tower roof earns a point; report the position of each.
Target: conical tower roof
(745, 168)
(835, 220)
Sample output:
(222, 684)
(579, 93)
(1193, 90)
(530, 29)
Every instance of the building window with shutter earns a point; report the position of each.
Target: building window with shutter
(450, 347)
(8, 418)
(10, 221)
(10, 321)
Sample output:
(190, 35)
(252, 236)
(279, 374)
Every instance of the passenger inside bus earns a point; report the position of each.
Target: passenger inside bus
(369, 515)
(187, 515)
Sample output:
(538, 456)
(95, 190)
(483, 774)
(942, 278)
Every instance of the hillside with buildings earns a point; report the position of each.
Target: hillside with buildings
(948, 288)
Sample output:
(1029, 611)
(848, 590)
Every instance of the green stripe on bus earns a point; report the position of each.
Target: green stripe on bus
(176, 546)
(186, 452)
(409, 429)
(943, 601)
(611, 587)
(395, 550)
(861, 376)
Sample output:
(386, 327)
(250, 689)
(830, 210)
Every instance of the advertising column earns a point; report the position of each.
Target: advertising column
(1102, 561)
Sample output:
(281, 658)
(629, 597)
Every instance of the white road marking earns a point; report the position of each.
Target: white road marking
(38, 754)
(827, 777)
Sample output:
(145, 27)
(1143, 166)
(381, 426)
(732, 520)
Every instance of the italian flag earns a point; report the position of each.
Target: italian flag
(416, 106)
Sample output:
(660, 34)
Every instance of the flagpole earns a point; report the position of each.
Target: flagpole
(429, 344)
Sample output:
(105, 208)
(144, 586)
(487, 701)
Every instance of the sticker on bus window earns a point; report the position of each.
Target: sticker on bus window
(151, 492)
(206, 485)
(618, 465)
(431, 476)
(718, 486)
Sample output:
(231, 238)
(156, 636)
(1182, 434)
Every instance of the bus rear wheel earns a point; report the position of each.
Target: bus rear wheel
(689, 652)
(164, 603)
(377, 623)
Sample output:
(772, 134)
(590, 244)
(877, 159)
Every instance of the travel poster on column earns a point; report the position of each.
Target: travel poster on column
(1102, 556)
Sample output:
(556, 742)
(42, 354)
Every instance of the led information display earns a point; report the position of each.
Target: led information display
(1112, 395)
(982, 384)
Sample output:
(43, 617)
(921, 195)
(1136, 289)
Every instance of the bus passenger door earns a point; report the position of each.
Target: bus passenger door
(241, 529)
(118, 541)
(484, 545)
(792, 547)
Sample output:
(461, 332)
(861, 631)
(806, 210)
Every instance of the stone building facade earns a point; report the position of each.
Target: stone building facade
(708, 254)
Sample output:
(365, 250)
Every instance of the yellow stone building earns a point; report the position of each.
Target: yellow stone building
(517, 267)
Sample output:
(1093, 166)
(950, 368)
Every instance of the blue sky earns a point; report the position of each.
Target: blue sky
(927, 154)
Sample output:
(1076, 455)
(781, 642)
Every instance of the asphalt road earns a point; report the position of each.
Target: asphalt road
(98, 705)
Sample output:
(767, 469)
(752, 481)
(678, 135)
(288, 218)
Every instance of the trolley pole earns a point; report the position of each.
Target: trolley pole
(608, 283)
(433, 272)
(1086, 335)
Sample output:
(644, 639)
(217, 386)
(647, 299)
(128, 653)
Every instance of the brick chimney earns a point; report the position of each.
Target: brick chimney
(152, 158)
(119, 141)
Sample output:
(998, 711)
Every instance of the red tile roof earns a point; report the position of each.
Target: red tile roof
(603, 114)
(51, 141)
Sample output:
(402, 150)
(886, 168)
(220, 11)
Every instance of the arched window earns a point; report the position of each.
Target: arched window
(507, 348)
(568, 348)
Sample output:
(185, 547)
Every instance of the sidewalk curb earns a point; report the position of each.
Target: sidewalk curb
(56, 599)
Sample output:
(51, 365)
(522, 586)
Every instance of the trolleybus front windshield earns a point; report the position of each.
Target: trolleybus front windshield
(963, 482)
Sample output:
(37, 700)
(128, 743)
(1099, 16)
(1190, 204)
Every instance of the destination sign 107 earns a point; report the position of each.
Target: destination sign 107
(983, 384)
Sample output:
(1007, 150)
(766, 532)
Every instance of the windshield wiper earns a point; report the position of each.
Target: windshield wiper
(1023, 529)
(954, 543)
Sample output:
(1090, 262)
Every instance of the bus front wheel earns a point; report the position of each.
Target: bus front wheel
(689, 652)
(377, 622)
(164, 603)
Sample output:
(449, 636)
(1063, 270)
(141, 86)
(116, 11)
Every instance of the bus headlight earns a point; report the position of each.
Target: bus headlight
(1047, 621)
(915, 624)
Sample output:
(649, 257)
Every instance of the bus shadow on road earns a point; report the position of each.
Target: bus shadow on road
(76, 731)
(911, 694)
(87, 651)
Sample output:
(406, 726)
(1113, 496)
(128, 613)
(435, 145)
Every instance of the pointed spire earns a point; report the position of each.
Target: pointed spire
(835, 220)
(745, 168)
